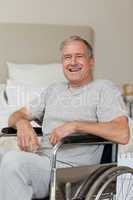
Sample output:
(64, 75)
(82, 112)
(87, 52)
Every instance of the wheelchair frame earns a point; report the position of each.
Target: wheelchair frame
(106, 173)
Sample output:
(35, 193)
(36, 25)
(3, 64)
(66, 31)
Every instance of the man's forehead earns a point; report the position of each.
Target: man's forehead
(74, 46)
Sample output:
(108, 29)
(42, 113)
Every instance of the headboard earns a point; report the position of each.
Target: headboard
(35, 43)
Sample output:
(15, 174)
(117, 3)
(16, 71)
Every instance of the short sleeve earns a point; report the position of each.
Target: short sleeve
(36, 107)
(111, 104)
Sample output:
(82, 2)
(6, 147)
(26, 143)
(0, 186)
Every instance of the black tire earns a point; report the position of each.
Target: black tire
(83, 188)
(102, 187)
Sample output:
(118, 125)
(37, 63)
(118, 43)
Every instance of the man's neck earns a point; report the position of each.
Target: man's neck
(77, 84)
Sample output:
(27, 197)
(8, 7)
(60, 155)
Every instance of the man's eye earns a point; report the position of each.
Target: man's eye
(67, 57)
(79, 56)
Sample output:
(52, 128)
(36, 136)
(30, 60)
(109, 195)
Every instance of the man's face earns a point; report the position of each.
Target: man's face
(77, 63)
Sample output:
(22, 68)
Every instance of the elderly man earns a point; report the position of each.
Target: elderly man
(79, 105)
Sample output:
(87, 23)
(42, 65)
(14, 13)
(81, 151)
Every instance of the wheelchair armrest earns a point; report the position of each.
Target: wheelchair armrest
(9, 131)
(80, 138)
(84, 138)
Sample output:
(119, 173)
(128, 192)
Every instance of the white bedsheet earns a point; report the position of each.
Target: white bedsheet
(6, 143)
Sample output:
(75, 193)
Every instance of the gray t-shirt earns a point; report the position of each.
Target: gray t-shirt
(98, 101)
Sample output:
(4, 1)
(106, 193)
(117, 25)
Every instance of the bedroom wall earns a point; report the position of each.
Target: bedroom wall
(111, 20)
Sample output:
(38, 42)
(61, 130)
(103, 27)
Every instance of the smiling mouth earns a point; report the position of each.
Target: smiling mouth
(74, 69)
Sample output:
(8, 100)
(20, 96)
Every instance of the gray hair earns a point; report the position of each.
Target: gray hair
(78, 38)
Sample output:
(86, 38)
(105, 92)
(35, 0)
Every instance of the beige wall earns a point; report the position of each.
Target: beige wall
(111, 20)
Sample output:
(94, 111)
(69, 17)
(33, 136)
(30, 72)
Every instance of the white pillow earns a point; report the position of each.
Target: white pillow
(19, 94)
(36, 74)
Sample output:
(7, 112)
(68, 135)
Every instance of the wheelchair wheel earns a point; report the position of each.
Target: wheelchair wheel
(115, 183)
(82, 189)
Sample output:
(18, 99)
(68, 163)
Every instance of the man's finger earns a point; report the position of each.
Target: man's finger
(34, 148)
(23, 142)
(52, 139)
(34, 144)
(19, 142)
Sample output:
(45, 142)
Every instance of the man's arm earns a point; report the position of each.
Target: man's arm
(26, 136)
(17, 116)
(116, 130)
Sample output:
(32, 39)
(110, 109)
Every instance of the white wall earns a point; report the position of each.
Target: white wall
(111, 20)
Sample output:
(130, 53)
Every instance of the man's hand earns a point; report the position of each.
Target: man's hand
(26, 137)
(62, 131)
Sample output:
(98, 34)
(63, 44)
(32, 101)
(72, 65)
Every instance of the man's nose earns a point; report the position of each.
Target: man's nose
(73, 60)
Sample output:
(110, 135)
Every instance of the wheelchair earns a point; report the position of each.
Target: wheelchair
(105, 181)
